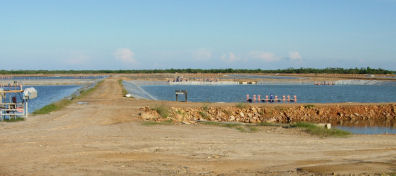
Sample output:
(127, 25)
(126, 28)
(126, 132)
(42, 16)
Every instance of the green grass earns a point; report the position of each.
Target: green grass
(53, 107)
(64, 102)
(205, 107)
(151, 123)
(239, 127)
(14, 120)
(320, 131)
(267, 124)
(307, 127)
(228, 113)
(203, 114)
(309, 106)
(124, 91)
(241, 105)
(162, 110)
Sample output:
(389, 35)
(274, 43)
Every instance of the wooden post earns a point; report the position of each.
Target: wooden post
(177, 92)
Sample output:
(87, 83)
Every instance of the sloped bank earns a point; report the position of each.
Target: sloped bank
(79, 93)
(336, 114)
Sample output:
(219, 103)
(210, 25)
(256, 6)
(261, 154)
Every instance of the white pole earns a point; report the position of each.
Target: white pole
(26, 112)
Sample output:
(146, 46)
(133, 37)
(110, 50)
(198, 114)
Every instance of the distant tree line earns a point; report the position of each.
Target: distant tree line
(367, 70)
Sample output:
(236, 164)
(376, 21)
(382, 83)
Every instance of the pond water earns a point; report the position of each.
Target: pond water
(47, 95)
(384, 92)
(48, 77)
(368, 130)
(304, 93)
(247, 76)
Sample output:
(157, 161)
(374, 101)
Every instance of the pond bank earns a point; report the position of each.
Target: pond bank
(336, 114)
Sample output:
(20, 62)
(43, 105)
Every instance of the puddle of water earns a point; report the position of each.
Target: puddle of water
(368, 130)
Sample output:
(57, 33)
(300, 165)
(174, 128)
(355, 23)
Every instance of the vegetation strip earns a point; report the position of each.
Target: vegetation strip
(124, 91)
(320, 131)
(309, 128)
(356, 70)
(64, 102)
(162, 110)
(14, 120)
(238, 126)
(151, 123)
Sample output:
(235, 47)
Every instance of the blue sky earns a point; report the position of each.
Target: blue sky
(158, 34)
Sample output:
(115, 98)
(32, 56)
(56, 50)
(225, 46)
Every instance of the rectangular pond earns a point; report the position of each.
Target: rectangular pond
(304, 93)
(50, 94)
(46, 95)
(18, 78)
(368, 130)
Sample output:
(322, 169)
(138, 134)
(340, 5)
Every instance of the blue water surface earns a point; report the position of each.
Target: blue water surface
(247, 76)
(369, 130)
(304, 93)
(50, 94)
(49, 77)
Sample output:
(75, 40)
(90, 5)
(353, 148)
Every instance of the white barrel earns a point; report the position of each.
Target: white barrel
(30, 93)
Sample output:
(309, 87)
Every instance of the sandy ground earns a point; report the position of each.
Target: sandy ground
(105, 137)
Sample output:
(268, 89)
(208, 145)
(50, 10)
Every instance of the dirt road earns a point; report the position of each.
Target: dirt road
(104, 137)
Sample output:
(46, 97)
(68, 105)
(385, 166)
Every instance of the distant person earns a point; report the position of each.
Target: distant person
(14, 101)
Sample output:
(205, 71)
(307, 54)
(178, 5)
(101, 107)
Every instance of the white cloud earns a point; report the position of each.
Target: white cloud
(202, 54)
(265, 56)
(295, 56)
(77, 58)
(230, 57)
(125, 55)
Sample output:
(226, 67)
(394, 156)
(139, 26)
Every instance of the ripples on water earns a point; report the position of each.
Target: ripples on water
(50, 94)
(48, 77)
(242, 76)
(305, 93)
(137, 91)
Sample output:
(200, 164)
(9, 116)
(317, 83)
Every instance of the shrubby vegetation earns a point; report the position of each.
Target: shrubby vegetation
(311, 128)
(162, 110)
(124, 91)
(367, 70)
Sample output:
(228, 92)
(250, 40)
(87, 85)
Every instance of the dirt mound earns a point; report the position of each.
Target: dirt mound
(368, 115)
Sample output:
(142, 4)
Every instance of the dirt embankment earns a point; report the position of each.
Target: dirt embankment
(357, 115)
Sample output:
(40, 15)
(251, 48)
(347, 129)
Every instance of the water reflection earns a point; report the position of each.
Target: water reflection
(369, 130)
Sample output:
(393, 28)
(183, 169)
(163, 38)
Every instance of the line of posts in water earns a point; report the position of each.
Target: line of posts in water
(271, 99)
(326, 83)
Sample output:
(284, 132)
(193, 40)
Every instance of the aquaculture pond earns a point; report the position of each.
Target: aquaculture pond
(50, 94)
(304, 93)
(18, 78)
(248, 76)
(369, 130)
(378, 92)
